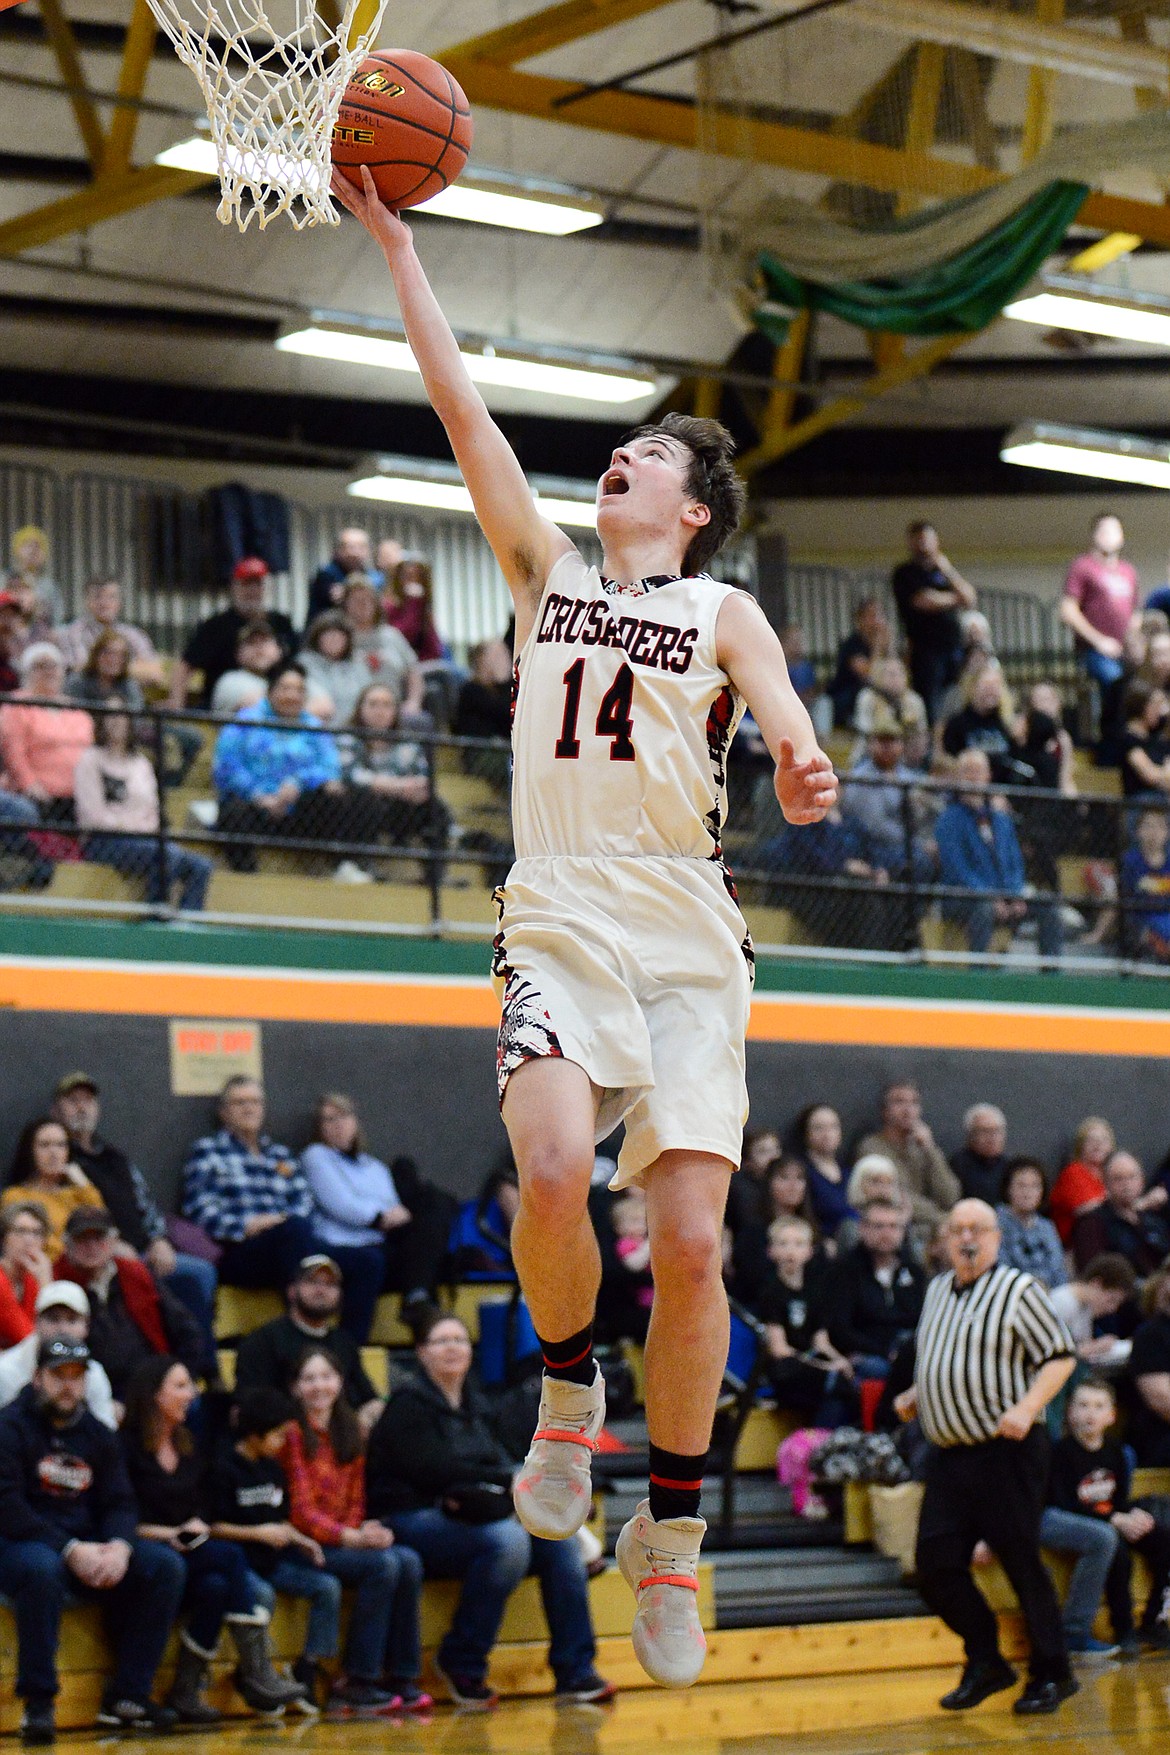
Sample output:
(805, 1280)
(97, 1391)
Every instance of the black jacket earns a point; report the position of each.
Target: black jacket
(62, 1484)
(980, 1178)
(119, 1345)
(422, 1446)
(123, 1192)
(269, 1356)
(863, 1315)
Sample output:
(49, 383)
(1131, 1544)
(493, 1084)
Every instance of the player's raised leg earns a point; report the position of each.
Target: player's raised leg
(686, 1352)
(550, 1110)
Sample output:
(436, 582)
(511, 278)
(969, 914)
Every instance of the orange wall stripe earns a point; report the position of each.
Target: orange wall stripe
(1008, 1029)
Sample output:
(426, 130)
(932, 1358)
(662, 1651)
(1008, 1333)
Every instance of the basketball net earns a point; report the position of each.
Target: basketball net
(272, 73)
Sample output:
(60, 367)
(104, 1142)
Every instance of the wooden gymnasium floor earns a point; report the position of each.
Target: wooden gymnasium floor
(1123, 1708)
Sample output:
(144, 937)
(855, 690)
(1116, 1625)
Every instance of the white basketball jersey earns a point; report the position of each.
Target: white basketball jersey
(623, 719)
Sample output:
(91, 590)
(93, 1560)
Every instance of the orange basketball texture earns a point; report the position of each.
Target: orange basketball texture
(404, 116)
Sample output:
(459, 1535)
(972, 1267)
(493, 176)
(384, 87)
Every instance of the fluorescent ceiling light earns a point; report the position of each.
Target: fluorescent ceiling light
(452, 496)
(1078, 451)
(198, 154)
(505, 371)
(519, 212)
(1093, 308)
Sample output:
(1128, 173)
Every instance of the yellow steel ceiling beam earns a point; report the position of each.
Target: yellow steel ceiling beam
(1041, 82)
(64, 46)
(549, 29)
(136, 57)
(105, 198)
(922, 118)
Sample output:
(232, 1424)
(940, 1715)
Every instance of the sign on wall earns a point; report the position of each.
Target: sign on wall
(206, 1053)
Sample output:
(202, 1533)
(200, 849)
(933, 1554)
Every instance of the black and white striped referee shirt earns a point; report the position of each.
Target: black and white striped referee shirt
(978, 1349)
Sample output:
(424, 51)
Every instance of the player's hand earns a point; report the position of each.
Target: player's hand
(807, 791)
(382, 223)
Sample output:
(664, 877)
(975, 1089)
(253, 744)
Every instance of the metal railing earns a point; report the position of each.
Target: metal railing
(904, 868)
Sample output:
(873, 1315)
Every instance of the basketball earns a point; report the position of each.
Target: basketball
(406, 118)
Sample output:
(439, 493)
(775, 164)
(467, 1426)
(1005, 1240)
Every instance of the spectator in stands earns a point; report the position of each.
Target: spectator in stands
(785, 1195)
(257, 650)
(1149, 1368)
(626, 1295)
(1145, 884)
(1028, 1240)
(351, 554)
(1124, 1223)
(1155, 666)
(62, 1312)
(1043, 744)
(68, 1526)
(269, 1356)
(1090, 1477)
(331, 665)
(875, 1177)
(1080, 1186)
(479, 1245)
(875, 1291)
(132, 1317)
(388, 556)
(388, 777)
(802, 674)
(115, 792)
(30, 580)
(981, 1160)
(388, 657)
(248, 1503)
(440, 1477)
(869, 639)
(381, 1240)
(123, 1191)
(211, 650)
(930, 593)
(43, 1170)
(249, 1193)
(1099, 1293)
(485, 700)
(978, 653)
(168, 1470)
(408, 608)
(906, 1139)
(105, 675)
(13, 640)
(985, 723)
(888, 696)
(833, 848)
(818, 1132)
(103, 615)
(875, 801)
(40, 741)
(326, 1471)
(747, 1200)
(276, 773)
(1145, 745)
(24, 1268)
(1099, 603)
(806, 1373)
(979, 850)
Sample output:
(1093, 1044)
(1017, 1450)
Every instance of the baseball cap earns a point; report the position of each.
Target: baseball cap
(89, 1221)
(63, 1294)
(310, 1264)
(885, 723)
(251, 567)
(77, 1081)
(9, 600)
(59, 1351)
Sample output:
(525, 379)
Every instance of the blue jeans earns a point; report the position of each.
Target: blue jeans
(194, 1281)
(383, 1628)
(141, 1612)
(137, 856)
(18, 813)
(491, 1559)
(1094, 1542)
(979, 920)
(270, 1259)
(218, 1583)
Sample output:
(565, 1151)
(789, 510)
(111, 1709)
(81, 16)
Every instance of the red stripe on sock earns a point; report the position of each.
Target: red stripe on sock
(564, 1364)
(679, 1486)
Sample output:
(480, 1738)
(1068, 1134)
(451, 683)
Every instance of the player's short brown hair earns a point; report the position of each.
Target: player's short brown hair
(711, 479)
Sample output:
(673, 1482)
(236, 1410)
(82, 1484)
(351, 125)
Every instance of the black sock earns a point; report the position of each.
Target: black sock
(676, 1483)
(571, 1360)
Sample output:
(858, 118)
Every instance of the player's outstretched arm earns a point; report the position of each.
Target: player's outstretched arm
(524, 543)
(753, 658)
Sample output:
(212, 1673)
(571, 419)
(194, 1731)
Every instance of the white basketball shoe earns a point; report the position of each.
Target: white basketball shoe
(553, 1491)
(660, 1563)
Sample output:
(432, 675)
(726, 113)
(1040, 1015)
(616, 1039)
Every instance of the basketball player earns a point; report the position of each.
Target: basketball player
(624, 964)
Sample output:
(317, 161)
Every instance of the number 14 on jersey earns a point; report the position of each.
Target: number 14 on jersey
(613, 715)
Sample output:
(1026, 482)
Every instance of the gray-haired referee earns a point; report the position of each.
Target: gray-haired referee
(991, 1354)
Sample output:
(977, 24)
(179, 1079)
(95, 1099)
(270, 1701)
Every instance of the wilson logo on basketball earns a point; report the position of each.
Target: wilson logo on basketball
(375, 81)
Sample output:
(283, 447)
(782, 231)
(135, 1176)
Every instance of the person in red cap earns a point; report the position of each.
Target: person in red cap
(211, 650)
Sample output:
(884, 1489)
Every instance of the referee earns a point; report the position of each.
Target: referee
(991, 1354)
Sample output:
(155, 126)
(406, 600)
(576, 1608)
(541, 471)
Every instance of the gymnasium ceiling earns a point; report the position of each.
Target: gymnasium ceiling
(866, 106)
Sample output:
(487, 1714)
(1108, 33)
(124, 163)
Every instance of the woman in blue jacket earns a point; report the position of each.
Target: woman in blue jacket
(278, 774)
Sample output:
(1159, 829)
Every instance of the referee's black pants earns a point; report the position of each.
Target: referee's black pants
(991, 1492)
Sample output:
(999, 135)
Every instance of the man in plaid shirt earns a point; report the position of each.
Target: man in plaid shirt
(249, 1194)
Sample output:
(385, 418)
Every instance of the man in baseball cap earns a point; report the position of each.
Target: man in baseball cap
(268, 1357)
(211, 649)
(62, 1313)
